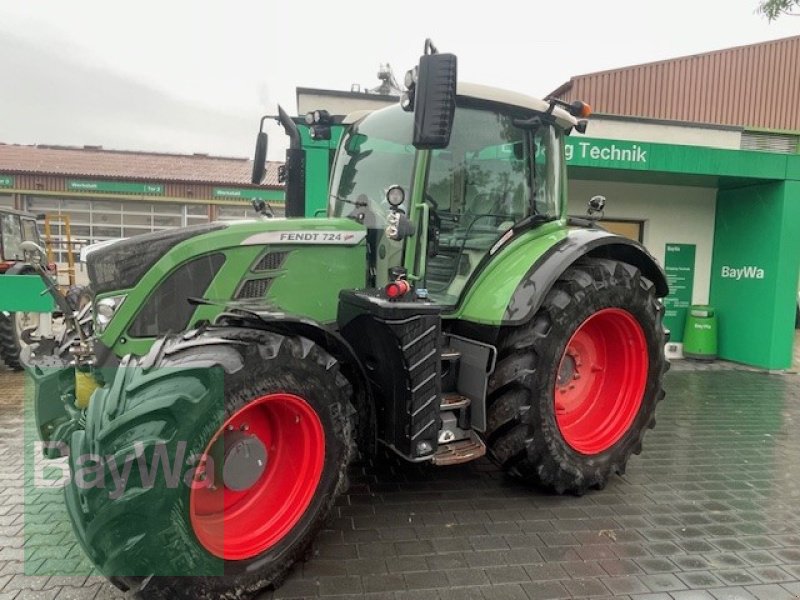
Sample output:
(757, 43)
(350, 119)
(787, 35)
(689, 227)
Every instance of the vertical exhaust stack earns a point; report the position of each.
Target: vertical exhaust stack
(294, 169)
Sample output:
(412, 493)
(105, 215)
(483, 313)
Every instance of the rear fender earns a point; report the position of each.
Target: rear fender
(510, 293)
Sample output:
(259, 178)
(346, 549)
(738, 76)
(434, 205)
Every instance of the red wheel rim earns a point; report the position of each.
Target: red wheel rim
(237, 525)
(601, 379)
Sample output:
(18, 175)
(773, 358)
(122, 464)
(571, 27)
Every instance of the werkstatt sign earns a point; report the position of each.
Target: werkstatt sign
(115, 187)
(606, 153)
(6, 181)
(679, 260)
(248, 194)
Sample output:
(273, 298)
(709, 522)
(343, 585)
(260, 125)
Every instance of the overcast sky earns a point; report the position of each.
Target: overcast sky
(194, 76)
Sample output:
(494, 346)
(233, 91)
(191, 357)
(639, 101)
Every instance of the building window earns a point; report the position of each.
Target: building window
(93, 221)
(243, 212)
(625, 227)
(6, 201)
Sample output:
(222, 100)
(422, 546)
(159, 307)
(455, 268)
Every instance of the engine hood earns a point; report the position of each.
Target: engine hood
(295, 266)
(121, 264)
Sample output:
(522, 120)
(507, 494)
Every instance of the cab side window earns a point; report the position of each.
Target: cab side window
(477, 189)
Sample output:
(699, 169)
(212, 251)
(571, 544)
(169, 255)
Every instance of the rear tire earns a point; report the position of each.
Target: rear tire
(609, 311)
(159, 532)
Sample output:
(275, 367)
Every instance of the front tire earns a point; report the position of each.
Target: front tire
(281, 437)
(576, 388)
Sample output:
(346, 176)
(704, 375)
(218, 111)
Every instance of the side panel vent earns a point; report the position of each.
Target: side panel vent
(254, 288)
(271, 261)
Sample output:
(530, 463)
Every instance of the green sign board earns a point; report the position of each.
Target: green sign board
(24, 293)
(679, 266)
(247, 194)
(6, 181)
(115, 187)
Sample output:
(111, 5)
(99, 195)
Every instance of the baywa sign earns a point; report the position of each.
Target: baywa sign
(746, 272)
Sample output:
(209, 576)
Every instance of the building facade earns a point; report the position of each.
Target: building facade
(699, 156)
(109, 194)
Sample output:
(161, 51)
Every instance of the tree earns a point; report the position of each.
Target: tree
(772, 9)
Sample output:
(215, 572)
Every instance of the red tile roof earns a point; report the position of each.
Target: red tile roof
(747, 86)
(92, 161)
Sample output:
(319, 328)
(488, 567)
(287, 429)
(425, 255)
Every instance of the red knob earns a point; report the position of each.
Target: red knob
(398, 288)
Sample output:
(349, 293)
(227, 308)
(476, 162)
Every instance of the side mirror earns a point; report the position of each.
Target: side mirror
(34, 250)
(597, 205)
(434, 100)
(259, 159)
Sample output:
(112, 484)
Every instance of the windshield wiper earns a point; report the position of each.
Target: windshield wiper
(532, 221)
(353, 202)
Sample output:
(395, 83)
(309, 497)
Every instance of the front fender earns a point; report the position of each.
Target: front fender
(261, 317)
(511, 288)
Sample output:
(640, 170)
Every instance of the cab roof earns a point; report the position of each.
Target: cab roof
(497, 95)
(20, 213)
(509, 98)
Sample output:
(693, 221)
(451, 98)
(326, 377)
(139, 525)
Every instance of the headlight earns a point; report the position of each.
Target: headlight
(104, 311)
(395, 196)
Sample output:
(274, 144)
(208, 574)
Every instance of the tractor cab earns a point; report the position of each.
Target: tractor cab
(503, 166)
(16, 227)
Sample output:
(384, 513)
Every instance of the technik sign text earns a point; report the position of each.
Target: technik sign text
(605, 153)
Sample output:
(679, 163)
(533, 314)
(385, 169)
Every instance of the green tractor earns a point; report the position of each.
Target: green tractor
(17, 328)
(445, 308)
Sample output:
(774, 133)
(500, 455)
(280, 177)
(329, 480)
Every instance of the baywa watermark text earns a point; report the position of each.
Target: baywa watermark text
(143, 467)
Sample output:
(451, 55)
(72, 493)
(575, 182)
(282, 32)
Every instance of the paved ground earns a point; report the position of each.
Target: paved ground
(710, 510)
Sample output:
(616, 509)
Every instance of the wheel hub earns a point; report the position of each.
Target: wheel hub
(244, 460)
(568, 370)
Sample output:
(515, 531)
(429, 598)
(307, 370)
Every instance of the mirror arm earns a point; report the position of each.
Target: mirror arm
(289, 127)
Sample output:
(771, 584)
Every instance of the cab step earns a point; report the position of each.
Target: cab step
(453, 401)
(459, 452)
(450, 354)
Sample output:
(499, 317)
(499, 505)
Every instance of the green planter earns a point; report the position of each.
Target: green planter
(700, 333)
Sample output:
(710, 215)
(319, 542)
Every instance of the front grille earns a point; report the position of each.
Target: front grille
(271, 261)
(254, 288)
(168, 308)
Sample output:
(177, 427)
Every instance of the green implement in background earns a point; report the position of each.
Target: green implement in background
(24, 293)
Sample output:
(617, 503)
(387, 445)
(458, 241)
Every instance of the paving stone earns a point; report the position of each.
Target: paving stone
(467, 577)
(770, 592)
(625, 585)
(692, 595)
(585, 588)
(384, 583)
(732, 593)
(507, 575)
(340, 585)
(704, 512)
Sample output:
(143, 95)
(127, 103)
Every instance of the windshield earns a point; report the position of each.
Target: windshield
(374, 155)
(12, 237)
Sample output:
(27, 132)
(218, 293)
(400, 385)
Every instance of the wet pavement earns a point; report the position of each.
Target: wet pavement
(709, 510)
